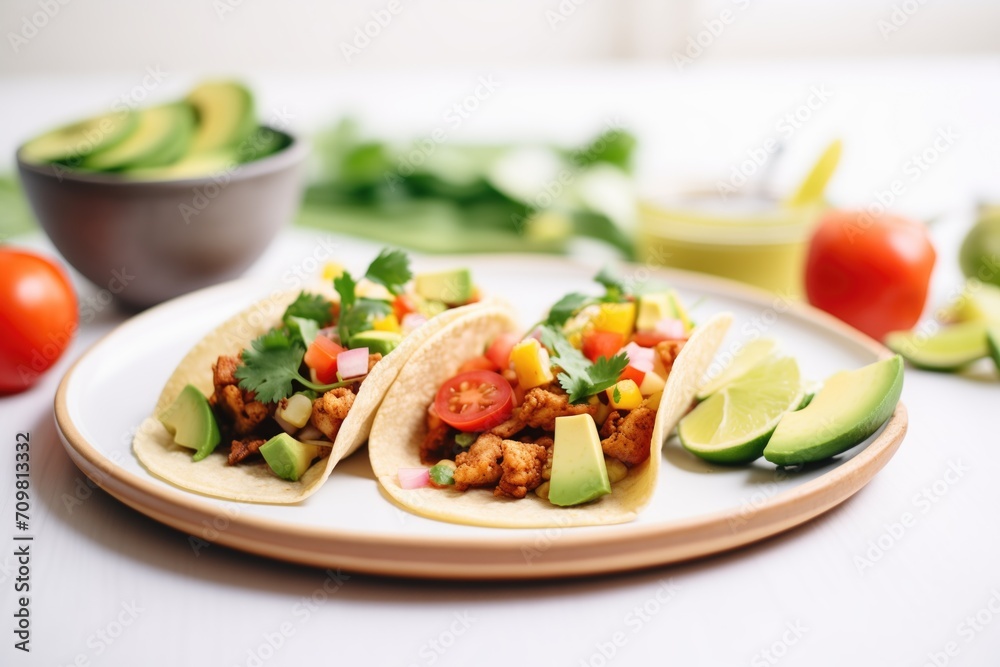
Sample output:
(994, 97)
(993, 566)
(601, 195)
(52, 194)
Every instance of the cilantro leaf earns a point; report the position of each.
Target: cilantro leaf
(578, 376)
(269, 368)
(565, 307)
(311, 307)
(345, 286)
(271, 364)
(616, 396)
(614, 287)
(392, 269)
(360, 317)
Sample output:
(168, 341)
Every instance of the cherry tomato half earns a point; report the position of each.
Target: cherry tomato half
(597, 344)
(650, 338)
(475, 401)
(322, 358)
(38, 317)
(871, 271)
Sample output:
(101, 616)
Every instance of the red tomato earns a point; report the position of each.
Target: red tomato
(634, 374)
(870, 271)
(478, 364)
(38, 317)
(322, 358)
(475, 401)
(598, 344)
(499, 350)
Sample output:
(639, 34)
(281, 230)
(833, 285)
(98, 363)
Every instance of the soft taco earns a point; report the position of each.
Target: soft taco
(264, 406)
(563, 427)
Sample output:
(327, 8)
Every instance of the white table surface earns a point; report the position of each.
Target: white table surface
(112, 587)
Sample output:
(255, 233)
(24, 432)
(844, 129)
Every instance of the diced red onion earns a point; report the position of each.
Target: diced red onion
(332, 333)
(414, 478)
(673, 329)
(640, 358)
(353, 363)
(286, 426)
(308, 432)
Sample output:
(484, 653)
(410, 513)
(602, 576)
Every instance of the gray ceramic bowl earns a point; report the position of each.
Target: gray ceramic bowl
(147, 241)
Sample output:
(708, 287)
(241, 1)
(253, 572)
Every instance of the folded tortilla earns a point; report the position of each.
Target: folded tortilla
(397, 433)
(254, 481)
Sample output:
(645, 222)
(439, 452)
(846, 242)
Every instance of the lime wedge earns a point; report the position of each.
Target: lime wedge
(950, 349)
(978, 301)
(751, 354)
(812, 188)
(993, 343)
(734, 424)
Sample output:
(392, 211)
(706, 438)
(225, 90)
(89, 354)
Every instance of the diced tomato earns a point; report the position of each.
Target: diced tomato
(475, 401)
(632, 373)
(650, 338)
(499, 350)
(598, 344)
(322, 358)
(402, 306)
(477, 364)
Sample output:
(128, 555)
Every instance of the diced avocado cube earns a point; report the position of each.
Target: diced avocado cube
(652, 309)
(287, 457)
(579, 473)
(451, 287)
(190, 421)
(382, 342)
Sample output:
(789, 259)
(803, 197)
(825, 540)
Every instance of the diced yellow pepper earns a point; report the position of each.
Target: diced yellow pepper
(652, 382)
(616, 317)
(332, 270)
(531, 364)
(629, 396)
(387, 323)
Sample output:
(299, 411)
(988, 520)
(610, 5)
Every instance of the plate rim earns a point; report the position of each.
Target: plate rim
(637, 545)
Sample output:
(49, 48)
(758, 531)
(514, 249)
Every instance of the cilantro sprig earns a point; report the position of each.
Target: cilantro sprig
(615, 291)
(270, 366)
(579, 377)
(390, 269)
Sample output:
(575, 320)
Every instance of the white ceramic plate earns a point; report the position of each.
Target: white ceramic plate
(698, 508)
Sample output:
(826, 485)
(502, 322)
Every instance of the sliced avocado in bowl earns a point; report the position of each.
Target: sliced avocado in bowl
(72, 143)
(850, 407)
(225, 115)
(161, 136)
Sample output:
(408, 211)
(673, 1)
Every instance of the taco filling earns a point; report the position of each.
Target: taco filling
(586, 383)
(286, 395)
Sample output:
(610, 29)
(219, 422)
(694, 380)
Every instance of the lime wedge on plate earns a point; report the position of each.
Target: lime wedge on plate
(733, 425)
(752, 354)
(950, 349)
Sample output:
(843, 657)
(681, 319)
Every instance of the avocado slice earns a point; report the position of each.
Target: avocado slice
(193, 165)
(190, 421)
(993, 342)
(382, 342)
(579, 473)
(950, 349)
(850, 407)
(225, 113)
(451, 287)
(653, 308)
(260, 143)
(72, 143)
(288, 457)
(161, 137)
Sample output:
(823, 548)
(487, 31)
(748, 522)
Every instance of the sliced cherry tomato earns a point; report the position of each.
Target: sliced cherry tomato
(499, 350)
(632, 373)
(322, 358)
(871, 271)
(38, 317)
(598, 344)
(480, 363)
(475, 401)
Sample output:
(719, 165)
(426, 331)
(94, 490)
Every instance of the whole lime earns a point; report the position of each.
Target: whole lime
(979, 256)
